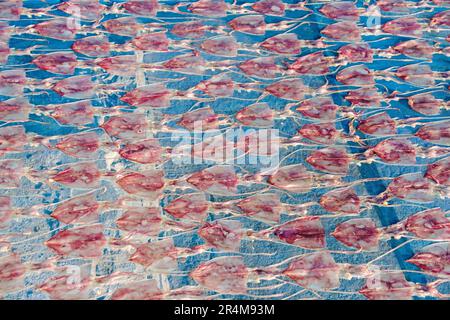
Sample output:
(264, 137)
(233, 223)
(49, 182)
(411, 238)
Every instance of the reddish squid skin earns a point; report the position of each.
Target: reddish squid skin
(425, 104)
(80, 209)
(439, 171)
(429, 224)
(343, 31)
(321, 108)
(94, 46)
(341, 201)
(412, 187)
(11, 171)
(57, 62)
(270, 7)
(146, 221)
(227, 275)
(289, 89)
(122, 65)
(77, 113)
(6, 212)
(146, 183)
(11, 268)
(211, 148)
(60, 29)
(441, 19)
(341, 11)
(220, 86)
(253, 143)
(378, 125)
(128, 126)
(220, 179)
(356, 52)
(256, 115)
(395, 151)
(317, 271)
(394, 5)
(323, 133)
(78, 87)
(415, 48)
(225, 46)
(266, 207)
(147, 8)
(158, 255)
(437, 133)
(331, 160)
(11, 10)
(251, 24)
(263, 67)
(193, 29)
(313, 63)
(125, 26)
(81, 175)
(12, 139)
(388, 286)
(87, 10)
(305, 232)
(416, 74)
(224, 235)
(356, 76)
(440, 2)
(365, 96)
(84, 242)
(5, 31)
(294, 178)
(155, 96)
(361, 234)
(14, 109)
(209, 8)
(287, 43)
(82, 145)
(140, 290)
(12, 82)
(148, 290)
(193, 207)
(200, 119)
(407, 26)
(156, 41)
(63, 287)
(434, 259)
(5, 51)
(189, 63)
(12, 271)
(147, 151)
